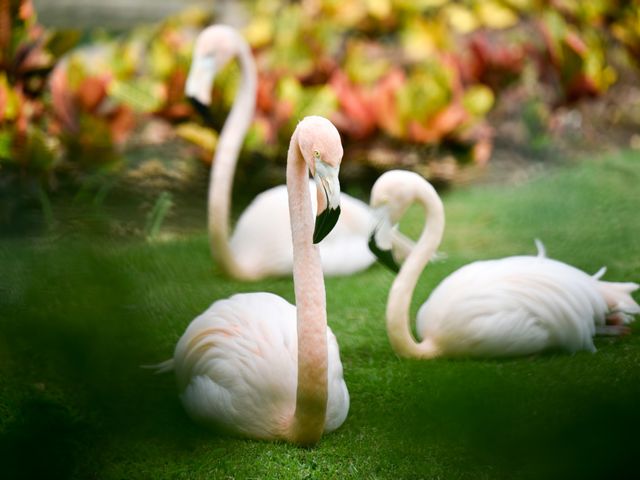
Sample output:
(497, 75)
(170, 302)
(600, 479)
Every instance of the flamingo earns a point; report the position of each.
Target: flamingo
(506, 307)
(258, 247)
(256, 365)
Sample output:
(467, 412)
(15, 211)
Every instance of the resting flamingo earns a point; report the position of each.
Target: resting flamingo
(506, 307)
(258, 247)
(253, 363)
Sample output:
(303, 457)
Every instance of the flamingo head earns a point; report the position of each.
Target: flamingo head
(392, 194)
(321, 148)
(214, 47)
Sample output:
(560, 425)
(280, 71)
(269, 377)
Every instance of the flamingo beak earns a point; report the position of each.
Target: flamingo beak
(380, 241)
(198, 85)
(328, 190)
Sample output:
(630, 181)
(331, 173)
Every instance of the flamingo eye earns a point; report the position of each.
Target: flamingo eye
(316, 154)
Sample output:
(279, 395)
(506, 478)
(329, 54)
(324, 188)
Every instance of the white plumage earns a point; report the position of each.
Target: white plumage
(344, 251)
(512, 306)
(256, 365)
(516, 306)
(253, 251)
(237, 367)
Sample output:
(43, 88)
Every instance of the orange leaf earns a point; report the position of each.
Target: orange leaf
(448, 119)
(419, 133)
(384, 105)
(121, 122)
(91, 92)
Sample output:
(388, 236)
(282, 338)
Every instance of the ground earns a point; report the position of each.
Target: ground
(81, 309)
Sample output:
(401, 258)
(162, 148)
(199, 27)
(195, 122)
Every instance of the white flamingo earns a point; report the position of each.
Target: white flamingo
(506, 307)
(253, 363)
(258, 247)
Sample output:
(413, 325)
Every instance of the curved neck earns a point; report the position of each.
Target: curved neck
(224, 164)
(311, 395)
(399, 302)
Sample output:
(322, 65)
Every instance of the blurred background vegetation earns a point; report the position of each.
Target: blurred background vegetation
(439, 86)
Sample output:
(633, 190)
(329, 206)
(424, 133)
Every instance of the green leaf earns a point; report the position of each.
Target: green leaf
(142, 96)
(61, 41)
(319, 101)
(364, 63)
(5, 144)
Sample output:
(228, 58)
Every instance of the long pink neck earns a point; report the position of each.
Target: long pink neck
(224, 164)
(311, 396)
(399, 302)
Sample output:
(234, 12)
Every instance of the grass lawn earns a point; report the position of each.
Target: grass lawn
(78, 314)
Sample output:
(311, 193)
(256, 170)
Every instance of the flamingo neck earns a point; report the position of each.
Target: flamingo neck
(224, 165)
(311, 396)
(399, 302)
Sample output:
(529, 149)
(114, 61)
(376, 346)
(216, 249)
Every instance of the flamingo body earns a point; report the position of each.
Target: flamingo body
(260, 245)
(254, 364)
(237, 367)
(261, 239)
(513, 306)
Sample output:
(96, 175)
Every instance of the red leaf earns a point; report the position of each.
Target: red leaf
(264, 95)
(357, 117)
(384, 105)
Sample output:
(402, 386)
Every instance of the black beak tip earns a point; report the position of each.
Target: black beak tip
(203, 110)
(325, 223)
(384, 256)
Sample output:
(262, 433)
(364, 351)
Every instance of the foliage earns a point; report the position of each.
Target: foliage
(102, 92)
(27, 55)
(425, 72)
(417, 73)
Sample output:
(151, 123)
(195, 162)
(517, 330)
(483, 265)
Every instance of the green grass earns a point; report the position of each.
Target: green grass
(78, 314)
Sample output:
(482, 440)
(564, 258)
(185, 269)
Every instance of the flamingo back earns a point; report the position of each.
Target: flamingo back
(261, 240)
(513, 306)
(236, 367)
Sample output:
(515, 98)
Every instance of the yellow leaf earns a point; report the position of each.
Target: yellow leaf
(478, 100)
(421, 38)
(346, 12)
(162, 59)
(379, 8)
(521, 5)
(201, 136)
(419, 5)
(75, 71)
(259, 32)
(494, 15)
(609, 76)
(11, 105)
(460, 18)
(289, 90)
